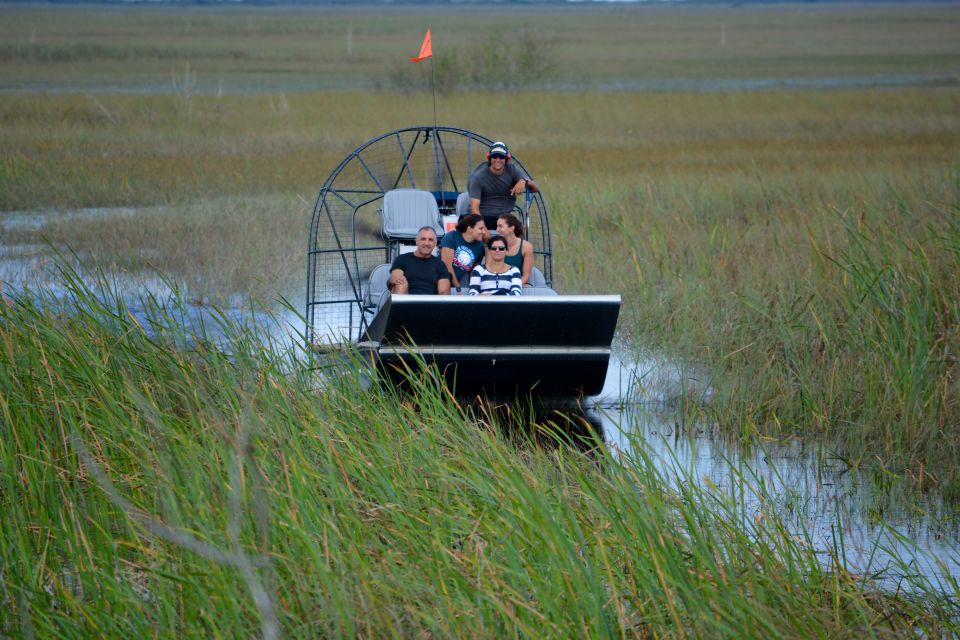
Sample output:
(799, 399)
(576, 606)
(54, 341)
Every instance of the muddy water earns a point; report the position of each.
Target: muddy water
(816, 495)
(296, 85)
(32, 264)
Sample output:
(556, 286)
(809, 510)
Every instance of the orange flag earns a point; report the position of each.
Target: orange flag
(426, 50)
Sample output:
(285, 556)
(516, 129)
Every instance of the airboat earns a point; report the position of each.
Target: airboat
(369, 211)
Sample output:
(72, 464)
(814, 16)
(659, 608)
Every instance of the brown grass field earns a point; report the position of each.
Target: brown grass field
(293, 49)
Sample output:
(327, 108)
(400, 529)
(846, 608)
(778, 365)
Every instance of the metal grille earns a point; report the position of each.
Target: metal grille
(346, 241)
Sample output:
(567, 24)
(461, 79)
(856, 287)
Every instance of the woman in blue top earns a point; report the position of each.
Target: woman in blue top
(496, 277)
(462, 249)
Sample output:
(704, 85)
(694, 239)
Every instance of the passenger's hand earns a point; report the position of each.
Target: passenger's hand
(519, 188)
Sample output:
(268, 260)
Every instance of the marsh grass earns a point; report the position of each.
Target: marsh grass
(798, 246)
(495, 65)
(214, 249)
(830, 311)
(151, 488)
(310, 48)
(108, 149)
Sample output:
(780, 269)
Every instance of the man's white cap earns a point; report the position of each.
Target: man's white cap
(499, 147)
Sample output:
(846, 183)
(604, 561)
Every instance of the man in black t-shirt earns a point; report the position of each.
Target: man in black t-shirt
(420, 272)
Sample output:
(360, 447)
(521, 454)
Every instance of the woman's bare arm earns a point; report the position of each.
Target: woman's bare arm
(526, 250)
(446, 254)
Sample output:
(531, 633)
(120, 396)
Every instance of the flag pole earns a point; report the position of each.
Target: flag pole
(436, 151)
(433, 83)
(426, 51)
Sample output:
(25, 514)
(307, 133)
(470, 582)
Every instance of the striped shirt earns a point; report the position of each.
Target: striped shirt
(482, 281)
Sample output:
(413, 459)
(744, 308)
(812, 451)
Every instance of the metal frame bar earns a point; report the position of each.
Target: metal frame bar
(323, 215)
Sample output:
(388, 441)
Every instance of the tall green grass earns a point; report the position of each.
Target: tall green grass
(742, 228)
(820, 310)
(154, 484)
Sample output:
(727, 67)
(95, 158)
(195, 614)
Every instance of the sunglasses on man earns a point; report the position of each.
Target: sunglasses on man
(498, 248)
(497, 156)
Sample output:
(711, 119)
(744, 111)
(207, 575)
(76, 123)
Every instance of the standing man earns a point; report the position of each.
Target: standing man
(495, 185)
(420, 272)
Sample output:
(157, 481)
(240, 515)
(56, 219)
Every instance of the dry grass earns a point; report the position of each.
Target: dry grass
(335, 48)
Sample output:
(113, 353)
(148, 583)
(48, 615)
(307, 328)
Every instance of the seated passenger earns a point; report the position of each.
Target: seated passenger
(496, 277)
(462, 249)
(519, 253)
(495, 184)
(420, 272)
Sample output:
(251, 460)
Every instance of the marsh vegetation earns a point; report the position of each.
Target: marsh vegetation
(803, 247)
(156, 490)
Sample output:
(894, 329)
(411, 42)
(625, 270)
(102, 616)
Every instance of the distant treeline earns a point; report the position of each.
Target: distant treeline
(494, 64)
(293, 2)
(344, 3)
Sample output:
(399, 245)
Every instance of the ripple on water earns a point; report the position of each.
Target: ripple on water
(35, 220)
(651, 378)
(815, 494)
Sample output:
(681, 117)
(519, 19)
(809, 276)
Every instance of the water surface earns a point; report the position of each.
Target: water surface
(817, 495)
(293, 85)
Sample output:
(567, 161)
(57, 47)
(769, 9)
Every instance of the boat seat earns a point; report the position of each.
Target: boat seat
(376, 287)
(537, 279)
(538, 291)
(406, 211)
(463, 204)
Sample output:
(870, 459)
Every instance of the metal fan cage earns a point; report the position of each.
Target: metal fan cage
(346, 241)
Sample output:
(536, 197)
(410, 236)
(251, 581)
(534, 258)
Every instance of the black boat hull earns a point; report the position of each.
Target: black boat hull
(546, 346)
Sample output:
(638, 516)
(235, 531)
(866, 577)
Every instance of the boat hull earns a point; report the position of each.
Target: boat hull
(498, 346)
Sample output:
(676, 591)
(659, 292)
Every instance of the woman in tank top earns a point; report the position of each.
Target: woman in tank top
(519, 253)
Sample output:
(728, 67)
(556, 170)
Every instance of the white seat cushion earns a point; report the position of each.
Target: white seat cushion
(537, 278)
(538, 291)
(463, 204)
(406, 211)
(376, 284)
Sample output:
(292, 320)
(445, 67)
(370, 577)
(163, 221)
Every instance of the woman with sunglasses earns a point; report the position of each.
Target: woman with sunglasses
(496, 277)
(519, 253)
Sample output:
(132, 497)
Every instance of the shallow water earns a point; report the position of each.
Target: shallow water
(699, 85)
(32, 264)
(814, 493)
(33, 220)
